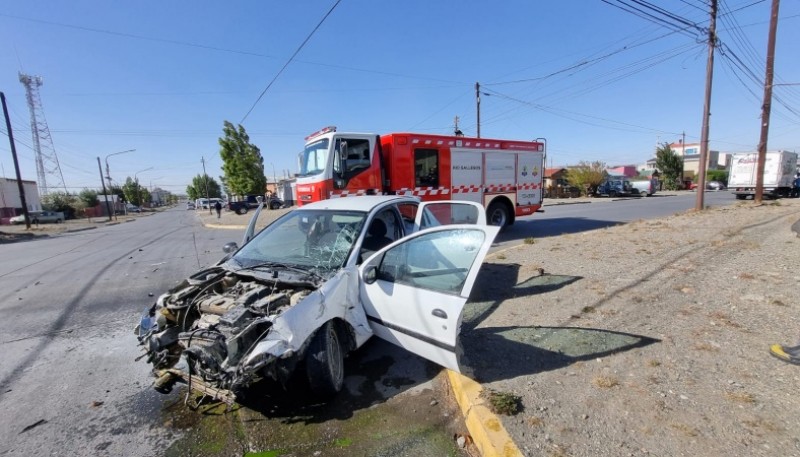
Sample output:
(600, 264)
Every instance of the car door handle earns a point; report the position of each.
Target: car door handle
(439, 313)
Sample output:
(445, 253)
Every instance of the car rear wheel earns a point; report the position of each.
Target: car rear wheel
(274, 205)
(325, 361)
(643, 193)
(241, 210)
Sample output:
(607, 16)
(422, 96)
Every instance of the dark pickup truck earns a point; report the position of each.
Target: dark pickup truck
(250, 202)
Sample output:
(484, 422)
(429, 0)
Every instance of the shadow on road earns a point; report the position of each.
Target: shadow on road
(532, 227)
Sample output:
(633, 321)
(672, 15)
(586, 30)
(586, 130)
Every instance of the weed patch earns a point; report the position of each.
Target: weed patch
(504, 403)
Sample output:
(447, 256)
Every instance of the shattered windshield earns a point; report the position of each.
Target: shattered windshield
(314, 158)
(319, 240)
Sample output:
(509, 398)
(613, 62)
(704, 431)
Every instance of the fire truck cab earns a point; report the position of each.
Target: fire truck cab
(505, 176)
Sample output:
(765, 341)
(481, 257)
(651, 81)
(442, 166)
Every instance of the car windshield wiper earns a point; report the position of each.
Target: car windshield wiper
(282, 266)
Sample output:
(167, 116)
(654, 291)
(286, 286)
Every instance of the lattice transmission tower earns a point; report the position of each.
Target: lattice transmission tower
(48, 171)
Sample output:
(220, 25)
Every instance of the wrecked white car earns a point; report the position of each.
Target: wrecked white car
(316, 284)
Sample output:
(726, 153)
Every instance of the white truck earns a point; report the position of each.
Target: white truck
(780, 168)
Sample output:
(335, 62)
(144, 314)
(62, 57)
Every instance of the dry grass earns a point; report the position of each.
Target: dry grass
(605, 382)
(529, 240)
(746, 275)
(705, 347)
(763, 424)
(724, 318)
(534, 421)
(653, 363)
(685, 429)
(740, 397)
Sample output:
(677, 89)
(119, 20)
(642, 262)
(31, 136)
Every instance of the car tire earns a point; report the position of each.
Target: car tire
(644, 194)
(58, 221)
(274, 205)
(612, 194)
(325, 361)
(241, 210)
(497, 215)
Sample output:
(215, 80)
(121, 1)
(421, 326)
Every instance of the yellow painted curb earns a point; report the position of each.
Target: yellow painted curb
(486, 429)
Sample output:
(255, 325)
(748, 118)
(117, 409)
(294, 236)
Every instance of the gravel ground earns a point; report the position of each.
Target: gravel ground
(649, 338)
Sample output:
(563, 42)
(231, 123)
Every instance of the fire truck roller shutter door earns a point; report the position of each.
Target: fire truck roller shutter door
(467, 175)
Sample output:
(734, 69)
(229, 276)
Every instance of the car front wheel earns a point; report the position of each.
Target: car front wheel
(325, 361)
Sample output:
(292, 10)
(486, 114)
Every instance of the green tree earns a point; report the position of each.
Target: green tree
(242, 164)
(670, 164)
(134, 192)
(197, 189)
(89, 198)
(717, 175)
(586, 176)
(60, 201)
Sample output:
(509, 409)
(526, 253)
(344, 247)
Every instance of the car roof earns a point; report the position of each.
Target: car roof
(362, 203)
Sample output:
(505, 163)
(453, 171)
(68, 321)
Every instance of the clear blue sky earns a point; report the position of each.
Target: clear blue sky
(597, 82)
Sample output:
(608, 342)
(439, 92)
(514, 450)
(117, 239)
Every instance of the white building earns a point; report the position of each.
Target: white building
(10, 200)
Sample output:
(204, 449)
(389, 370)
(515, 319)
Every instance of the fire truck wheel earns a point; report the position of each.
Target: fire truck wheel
(497, 214)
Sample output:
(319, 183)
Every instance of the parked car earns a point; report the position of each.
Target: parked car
(715, 185)
(39, 217)
(189, 205)
(249, 202)
(316, 284)
(133, 209)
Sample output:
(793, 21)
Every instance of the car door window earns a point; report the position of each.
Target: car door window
(438, 261)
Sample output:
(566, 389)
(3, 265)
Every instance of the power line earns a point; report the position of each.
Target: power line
(289, 61)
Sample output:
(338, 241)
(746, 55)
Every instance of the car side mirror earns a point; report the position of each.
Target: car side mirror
(230, 247)
(371, 274)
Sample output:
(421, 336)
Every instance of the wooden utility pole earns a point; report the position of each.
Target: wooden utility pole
(767, 105)
(712, 43)
(16, 162)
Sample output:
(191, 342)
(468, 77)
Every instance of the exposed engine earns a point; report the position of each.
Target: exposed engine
(207, 326)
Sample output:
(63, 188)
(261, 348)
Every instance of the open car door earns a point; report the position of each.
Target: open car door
(414, 290)
(448, 212)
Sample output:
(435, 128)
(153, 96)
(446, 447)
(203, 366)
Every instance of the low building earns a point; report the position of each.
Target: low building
(10, 201)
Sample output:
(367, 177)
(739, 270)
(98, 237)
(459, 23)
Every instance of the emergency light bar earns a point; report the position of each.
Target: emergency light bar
(331, 128)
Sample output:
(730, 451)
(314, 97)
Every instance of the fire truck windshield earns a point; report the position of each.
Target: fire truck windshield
(314, 158)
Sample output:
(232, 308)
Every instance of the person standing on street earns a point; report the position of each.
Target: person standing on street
(218, 207)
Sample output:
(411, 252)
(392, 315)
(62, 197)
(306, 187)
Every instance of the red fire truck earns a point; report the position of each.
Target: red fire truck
(505, 176)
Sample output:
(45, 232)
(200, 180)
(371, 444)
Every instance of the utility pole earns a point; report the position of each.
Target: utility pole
(712, 42)
(205, 178)
(105, 193)
(683, 156)
(16, 163)
(478, 103)
(767, 105)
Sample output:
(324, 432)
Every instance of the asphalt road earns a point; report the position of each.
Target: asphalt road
(599, 213)
(68, 381)
(69, 384)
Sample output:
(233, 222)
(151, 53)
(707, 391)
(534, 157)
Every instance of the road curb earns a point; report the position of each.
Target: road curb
(222, 226)
(796, 228)
(486, 429)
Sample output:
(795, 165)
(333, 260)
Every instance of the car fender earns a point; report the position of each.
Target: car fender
(336, 298)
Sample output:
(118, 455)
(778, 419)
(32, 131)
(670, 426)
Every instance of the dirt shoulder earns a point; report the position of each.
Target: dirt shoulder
(649, 338)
